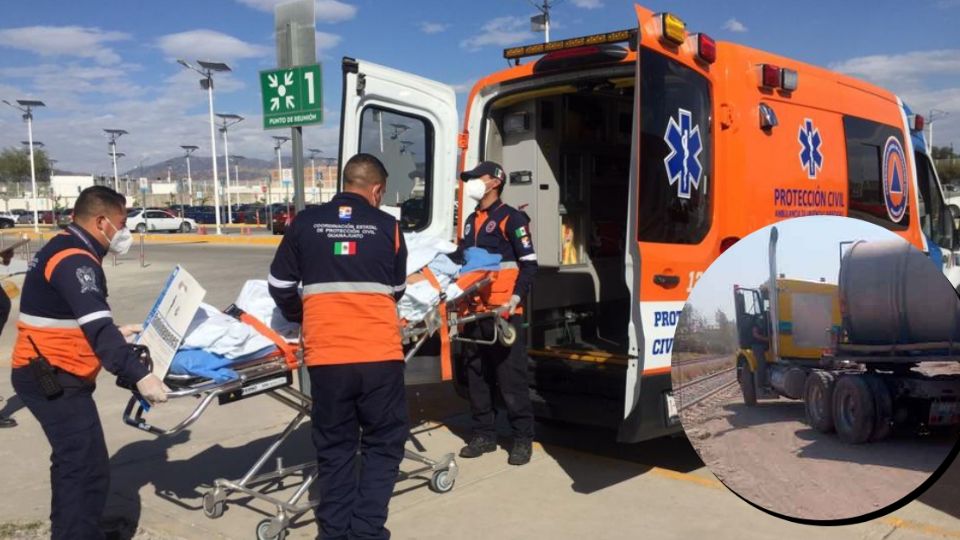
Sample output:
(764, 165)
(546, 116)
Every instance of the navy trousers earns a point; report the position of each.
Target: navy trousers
(79, 463)
(357, 407)
(493, 367)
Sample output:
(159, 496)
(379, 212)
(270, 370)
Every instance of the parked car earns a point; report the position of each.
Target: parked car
(7, 221)
(155, 219)
(283, 217)
(64, 218)
(25, 219)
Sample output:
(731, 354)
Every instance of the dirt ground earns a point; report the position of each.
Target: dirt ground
(769, 456)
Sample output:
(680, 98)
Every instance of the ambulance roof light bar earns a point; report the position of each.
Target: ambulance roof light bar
(672, 29)
(516, 53)
(916, 122)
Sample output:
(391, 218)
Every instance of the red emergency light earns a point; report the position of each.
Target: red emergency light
(706, 48)
(770, 76)
(916, 123)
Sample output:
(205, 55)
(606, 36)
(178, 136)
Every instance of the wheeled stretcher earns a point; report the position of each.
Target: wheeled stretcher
(271, 375)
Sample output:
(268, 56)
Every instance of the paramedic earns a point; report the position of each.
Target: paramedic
(503, 230)
(65, 316)
(351, 259)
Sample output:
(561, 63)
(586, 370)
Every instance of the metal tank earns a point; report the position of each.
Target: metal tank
(891, 293)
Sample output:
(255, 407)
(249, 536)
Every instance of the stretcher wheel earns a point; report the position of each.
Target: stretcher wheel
(212, 505)
(441, 482)
(263, 529)
(508, 335)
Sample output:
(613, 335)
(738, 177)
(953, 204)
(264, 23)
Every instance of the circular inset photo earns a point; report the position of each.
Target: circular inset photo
(816, 369)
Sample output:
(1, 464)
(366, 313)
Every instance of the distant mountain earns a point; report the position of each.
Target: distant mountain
(200, 167)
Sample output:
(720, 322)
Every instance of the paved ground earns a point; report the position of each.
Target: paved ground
(580, 483)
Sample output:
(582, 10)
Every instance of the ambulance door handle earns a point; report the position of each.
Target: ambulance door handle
(666, 281)
(544, 187)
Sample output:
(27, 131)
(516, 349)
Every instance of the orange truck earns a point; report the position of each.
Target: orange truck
(640, 156)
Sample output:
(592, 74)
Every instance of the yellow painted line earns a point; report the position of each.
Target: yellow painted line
(711, 483)
(598, 357)
(922, 528)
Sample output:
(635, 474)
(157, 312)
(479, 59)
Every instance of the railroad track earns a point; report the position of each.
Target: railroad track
(698, 360)
(697, 390)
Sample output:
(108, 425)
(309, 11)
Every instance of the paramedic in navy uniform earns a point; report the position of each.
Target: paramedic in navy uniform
(503, 230)
(352, 261)
(64, 311)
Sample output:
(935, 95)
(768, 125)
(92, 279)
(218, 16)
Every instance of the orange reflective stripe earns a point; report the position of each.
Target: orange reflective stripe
(396, 238)
(65, 348)
(478, 220)
(55, 260)
(503, 228)
(446, 362)
(349, 327)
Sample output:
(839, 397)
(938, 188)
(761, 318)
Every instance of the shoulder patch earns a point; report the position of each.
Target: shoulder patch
(87, 279)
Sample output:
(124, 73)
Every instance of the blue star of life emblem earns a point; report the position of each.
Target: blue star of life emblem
(810, 156)
(683, 163)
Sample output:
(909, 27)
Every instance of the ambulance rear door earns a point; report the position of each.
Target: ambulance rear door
(410, 124)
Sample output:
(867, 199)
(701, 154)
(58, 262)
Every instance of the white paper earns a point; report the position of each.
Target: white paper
(170, 317)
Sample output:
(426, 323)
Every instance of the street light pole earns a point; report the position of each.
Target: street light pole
(236, 174)
(207, 69)
(26, 107)
(236, 118)
(313, 166)
(934, 115)
(189, 149)
(115, 134)
(279, 142)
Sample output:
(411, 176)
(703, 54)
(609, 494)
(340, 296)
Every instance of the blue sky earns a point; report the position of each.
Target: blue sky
(807, 248)
(110, 63)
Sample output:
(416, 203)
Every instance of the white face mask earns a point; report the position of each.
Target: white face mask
(121, 242)
(475, 189)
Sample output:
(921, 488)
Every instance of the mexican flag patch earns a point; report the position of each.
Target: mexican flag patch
(345, 248)
(521, 232)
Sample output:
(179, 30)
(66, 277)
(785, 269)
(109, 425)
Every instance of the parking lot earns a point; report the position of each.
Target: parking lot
(579, 484)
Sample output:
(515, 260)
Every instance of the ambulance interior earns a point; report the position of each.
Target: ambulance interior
(566, 150)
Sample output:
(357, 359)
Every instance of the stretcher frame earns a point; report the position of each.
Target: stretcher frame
(272, 376)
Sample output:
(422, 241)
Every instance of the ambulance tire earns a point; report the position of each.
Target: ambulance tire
(747, 386)
(883, 422)
(854, 409)
(264, 526)
(818, 401)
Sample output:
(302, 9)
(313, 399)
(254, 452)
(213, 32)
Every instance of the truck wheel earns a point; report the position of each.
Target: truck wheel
(883, 422)
(818, 400)
(854, 409)
(747, 386)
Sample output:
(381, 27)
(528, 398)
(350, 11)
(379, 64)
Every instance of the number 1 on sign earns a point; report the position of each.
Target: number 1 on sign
(309, 77)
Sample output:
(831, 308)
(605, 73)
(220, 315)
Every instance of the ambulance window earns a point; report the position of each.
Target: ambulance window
(865, 144)
(675, 138)
(404, 143)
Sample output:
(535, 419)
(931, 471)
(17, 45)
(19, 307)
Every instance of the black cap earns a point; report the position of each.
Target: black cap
(485, 168)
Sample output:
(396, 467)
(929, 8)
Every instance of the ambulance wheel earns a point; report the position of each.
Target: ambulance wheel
(508, 336)
(883, 423)
(818, 400)
(747, 386)
(854, 409)
(263, 530)
(441, 482)
(212, 505)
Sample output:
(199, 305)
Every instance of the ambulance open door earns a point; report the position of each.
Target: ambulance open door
(411, 125)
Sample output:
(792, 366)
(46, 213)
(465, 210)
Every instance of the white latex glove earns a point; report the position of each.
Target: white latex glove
(152, 389)
(513, 303)
(130, 331)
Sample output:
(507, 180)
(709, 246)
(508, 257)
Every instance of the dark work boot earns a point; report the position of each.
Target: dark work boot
(521, 452)
(478, 446)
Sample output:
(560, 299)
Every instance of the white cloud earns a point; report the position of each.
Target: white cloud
(327, 41)
(902, 69)
(734, 25)
(209, 45)
(588, 4)
(75, 41)
(923, 79)
(328, 11)
(464, 87)
(432, 27)
(500, 32)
